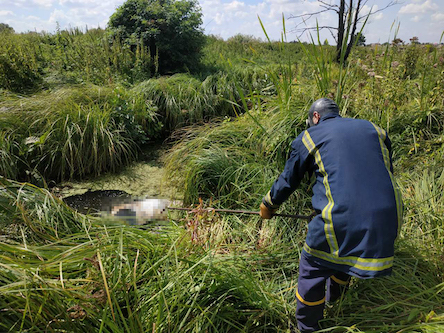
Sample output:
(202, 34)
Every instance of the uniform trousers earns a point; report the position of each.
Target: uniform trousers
(316, 284)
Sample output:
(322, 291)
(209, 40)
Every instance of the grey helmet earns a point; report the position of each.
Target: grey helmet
(323, 106)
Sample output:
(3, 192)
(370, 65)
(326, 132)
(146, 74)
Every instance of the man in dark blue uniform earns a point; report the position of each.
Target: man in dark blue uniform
(358, 206)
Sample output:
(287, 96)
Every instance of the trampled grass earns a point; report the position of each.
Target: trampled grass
(63, 271)
(238, 277)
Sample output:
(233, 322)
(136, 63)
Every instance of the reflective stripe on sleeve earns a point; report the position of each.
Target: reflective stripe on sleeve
(267, 200)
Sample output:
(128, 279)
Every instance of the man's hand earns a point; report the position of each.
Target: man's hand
(266, 213)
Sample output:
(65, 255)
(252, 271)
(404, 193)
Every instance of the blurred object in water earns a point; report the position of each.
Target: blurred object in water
(142, 211)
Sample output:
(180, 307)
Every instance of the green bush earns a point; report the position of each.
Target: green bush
(6, 28)
(169, 29)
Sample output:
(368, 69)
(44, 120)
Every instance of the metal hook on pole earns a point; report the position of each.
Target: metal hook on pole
(231, 211)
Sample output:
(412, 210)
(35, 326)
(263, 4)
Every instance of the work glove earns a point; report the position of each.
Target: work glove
(265, 212)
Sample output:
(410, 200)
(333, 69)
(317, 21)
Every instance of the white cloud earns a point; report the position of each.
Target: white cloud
(438, 16)
(6, 13)
(109, 5)
(413, 8)
(235, 5)
(366, 9)
(57, 16)
(236, 9)
(18, 3)
(219, 18)
(378, 16)
(44, 3)
(230, 17)
(279, 2)
(31, 23)
(241, 14)
(76, 3)
(374, 17)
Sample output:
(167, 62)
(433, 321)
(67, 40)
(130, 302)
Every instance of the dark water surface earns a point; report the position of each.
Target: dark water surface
(94, 202)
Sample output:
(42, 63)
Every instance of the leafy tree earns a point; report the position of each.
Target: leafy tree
(414, 40)
(170, 30)
(4, 27)
(360, 39)
(397, 41)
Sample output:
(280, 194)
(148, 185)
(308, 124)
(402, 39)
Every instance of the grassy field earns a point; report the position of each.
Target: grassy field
(65, 115)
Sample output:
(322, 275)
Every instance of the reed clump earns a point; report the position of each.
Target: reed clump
(32, 60)
(72, 133)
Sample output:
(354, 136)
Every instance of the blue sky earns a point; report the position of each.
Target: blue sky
(421, 18)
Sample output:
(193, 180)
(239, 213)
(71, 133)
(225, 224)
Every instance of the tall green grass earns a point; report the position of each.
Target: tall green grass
(72, 133)
(410, 300)
(28, 61)
(239, 277)
(20, 62)
(183, 99)
(113, 278)
(36, 214)
(235, 162)
(60, 270)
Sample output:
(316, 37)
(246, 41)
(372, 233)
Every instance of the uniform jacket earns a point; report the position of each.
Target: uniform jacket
(358, 204)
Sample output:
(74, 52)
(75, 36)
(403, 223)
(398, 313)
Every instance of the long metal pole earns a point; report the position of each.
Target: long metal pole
(230, 211)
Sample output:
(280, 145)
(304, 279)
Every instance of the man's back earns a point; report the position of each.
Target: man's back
(359, 208)
(353, 193)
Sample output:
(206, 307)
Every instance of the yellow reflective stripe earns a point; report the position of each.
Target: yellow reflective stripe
(307, 302)
(268, 200)
(366, 264)
(386, 155)
(308, 142)
(326, 212)
(338, 281)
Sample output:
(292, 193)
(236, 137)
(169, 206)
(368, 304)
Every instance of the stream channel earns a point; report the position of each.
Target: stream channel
(140, 180)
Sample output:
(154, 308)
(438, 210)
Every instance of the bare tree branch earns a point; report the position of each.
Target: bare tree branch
(390, 4)
(300, 32)
(329, 6)
(341, 23)
(353, 32)
(310, 15)
(349, 16)
(333, 35)
(320, 28)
